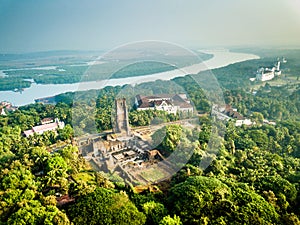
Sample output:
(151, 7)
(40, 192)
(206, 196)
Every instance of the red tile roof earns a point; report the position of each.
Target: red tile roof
(42, 128)
(45, 127)
(156, 100)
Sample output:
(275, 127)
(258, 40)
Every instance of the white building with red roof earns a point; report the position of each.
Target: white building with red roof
(40, 129)
(170, 103)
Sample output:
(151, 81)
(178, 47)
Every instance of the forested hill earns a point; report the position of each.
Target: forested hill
(254, 178)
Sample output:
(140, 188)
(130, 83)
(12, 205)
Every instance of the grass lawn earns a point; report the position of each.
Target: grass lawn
(153, 174)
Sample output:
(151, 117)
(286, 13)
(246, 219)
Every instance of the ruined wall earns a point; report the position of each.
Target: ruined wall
(121, 125)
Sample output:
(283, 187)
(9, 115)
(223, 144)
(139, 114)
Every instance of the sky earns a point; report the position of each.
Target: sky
(31, 25)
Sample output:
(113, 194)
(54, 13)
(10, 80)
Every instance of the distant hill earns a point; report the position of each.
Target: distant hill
(45, 54)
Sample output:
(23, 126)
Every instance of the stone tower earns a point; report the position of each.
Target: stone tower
(121, 125)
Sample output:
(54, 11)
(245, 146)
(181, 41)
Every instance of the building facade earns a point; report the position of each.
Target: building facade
(172, 104)
(40, 129)
(265, 74)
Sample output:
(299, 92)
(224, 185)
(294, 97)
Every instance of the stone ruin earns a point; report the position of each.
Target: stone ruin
(121, 122)
(121, 151)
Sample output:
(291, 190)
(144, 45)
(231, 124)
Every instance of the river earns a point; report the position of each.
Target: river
(220, 58)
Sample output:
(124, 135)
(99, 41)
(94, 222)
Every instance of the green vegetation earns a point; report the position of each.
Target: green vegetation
(208, 200)
(71, 70)
(254, 178)
(7, 83)
(73, 74)
(152, 174)
(172, 136)
(104, 206)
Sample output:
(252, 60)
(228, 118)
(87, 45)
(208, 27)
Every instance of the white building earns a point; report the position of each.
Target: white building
(40, 129)
(3, 113)
(246, 122)
(264, 74)
(171, 104)
(227, 113)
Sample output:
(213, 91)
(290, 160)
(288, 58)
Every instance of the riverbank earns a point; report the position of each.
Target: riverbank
(221, 58)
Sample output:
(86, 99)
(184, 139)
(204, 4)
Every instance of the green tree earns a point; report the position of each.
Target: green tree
(168, 220)
(66, 133)
(56, 172)
(33, 212)
(105, 207)
(171, 134)
(40, 156)
(154, 212)
(200, 199)
(193, 199)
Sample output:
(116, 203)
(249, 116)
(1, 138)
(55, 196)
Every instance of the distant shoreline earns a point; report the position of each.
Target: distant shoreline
(36, 91)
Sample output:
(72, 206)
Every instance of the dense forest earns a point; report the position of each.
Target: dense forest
(254, 178)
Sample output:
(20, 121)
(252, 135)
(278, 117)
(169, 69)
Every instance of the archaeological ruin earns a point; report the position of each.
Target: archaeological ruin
(125, 152)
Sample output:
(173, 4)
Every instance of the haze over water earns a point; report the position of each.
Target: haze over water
(220, 59)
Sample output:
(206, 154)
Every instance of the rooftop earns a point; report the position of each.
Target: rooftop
(179, 100)
(44, 127)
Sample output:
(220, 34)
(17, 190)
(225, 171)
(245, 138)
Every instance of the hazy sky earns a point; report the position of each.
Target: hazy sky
(37, 25)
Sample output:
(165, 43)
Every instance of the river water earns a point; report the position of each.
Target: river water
(221, 58)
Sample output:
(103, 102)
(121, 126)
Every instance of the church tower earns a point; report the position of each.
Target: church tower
(121, 125)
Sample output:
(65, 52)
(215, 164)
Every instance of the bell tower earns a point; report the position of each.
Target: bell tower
(121, 125)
